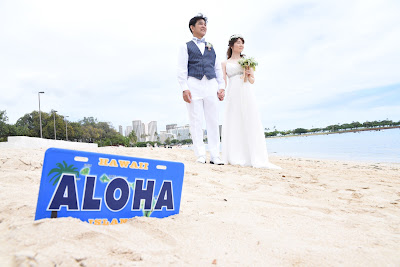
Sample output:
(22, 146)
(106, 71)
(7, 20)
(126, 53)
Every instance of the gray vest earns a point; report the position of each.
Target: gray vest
(200, 65)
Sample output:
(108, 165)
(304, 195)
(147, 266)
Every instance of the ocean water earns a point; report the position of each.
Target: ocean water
(367, 146)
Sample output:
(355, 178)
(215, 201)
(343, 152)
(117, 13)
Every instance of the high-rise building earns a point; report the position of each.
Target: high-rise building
(137, 127)
(164, 135)
(143, 135)
(121, 132)
(181, 132)
(128, 130)
(152, 130)
(170, 126)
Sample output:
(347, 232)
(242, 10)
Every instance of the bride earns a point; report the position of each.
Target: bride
(243, 140)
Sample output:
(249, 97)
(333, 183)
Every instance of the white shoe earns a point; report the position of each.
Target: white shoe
(201, 159)
(216, 161)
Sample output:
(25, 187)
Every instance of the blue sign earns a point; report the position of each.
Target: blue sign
(107, 189)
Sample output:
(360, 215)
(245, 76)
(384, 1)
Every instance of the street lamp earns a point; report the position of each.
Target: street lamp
(66, 129)
(55, 134)
(40, 115)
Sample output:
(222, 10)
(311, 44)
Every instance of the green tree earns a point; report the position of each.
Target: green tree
(106, 130)
(356, 124)
(174, 141)
(74, 131)
(132, 138)
(29, 124)
(167, 141)
(315, 130)
(269, 134)
(186, 141)
(4, 127)
(387, 123)
(156, 137)
(300, 131)
(332, 128)
(88, 121)
(48, 125)
(367, 124)
(141, 144)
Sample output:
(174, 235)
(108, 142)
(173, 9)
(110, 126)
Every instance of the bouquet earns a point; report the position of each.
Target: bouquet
(247, 63)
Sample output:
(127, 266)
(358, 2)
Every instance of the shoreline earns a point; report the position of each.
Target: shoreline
(353, 161)
(337, 132)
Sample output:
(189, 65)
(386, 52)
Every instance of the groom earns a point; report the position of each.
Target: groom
(200, 77)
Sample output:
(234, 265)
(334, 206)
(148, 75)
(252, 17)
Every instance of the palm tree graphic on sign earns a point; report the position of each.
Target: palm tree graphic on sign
(62, 169)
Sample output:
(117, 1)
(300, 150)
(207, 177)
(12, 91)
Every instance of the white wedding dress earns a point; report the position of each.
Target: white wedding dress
(243, 140)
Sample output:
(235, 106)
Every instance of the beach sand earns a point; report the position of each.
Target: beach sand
(310, 213)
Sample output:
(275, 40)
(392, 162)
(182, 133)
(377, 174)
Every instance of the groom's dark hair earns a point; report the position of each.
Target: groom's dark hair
(193, 21)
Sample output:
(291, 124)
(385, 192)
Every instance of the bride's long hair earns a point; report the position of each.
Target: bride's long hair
(231, 42)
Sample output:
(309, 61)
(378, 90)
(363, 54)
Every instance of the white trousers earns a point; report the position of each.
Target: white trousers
(207, 108)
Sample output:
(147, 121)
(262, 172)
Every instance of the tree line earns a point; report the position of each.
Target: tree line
(87, 130)
(336, 128)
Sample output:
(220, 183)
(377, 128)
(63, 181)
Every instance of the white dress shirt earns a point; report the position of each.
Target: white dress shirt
(198, 88)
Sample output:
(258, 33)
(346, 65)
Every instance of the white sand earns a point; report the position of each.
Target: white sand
(311, 213)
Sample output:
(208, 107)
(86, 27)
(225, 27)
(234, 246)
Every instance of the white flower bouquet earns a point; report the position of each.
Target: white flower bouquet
(247, 63)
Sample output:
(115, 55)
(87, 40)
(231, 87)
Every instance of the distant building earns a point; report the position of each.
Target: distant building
(128, 130)
(145, 131)
(152, 130)
(121, 132)
(137, 127)
(143, 136)
(164, 135)
(181, 132)
(170, 126)
(205, 133)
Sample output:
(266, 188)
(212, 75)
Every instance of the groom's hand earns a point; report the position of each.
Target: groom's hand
(187, 96)
(221, 94)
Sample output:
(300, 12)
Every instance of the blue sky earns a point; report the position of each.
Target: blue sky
(320, 62)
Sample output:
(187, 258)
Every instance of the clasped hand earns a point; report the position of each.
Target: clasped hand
(221, 94)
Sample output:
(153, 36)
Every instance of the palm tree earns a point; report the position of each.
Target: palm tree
(132, 137)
